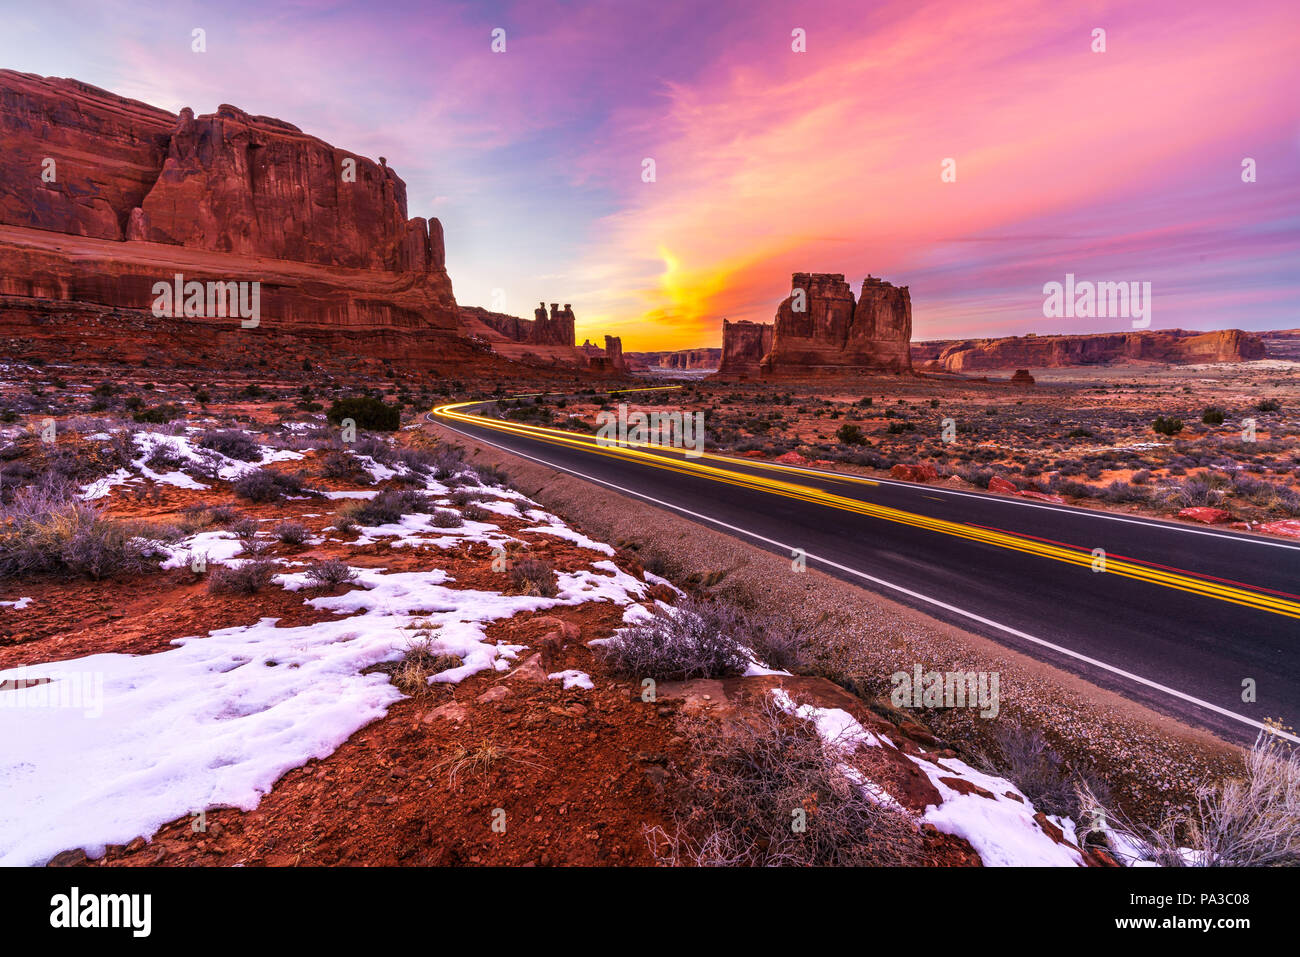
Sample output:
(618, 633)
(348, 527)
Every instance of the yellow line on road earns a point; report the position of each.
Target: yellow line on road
(687, 466)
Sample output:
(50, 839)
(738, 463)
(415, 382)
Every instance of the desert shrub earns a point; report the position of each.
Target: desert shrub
(1268, 405)
(777, 640)
(267, 485)
(850, 434)
(47, 530)
(447, 461)
(367, 412)
(1119, 492)
(696, 639)
(420, 461)
(164, 458)
(737, 807)
(491, 475)
(374, 447)
(1213, 416)
(291, 533)
(233, 444)
(476, 513)
(464, 496)
(1078, 434)
(246, 578)
(224, 514)
(1033, 766)
(158, 414)
(447, 518)
(387, 507)
(1203, 488)
(1167, 426)
(330, 573)
(340, 465)
(529, 576)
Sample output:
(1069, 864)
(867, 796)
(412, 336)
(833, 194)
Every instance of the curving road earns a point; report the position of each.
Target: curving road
(1177, 618)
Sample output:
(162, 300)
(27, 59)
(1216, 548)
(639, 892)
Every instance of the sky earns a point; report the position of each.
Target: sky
(1122, 165)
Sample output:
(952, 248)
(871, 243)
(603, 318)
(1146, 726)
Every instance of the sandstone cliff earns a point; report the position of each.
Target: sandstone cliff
(1173, 346)
(220, 197)
(555, 329)
(744, 344)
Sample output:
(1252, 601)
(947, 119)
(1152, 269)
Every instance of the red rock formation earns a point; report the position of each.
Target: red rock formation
(744, 344)
(608, 360)
(820, 327)
(1022, 377)
(1174, 346)
(222, 197)
(543, 330)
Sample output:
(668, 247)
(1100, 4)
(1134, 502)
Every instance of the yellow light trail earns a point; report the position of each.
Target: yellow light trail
(634, 452)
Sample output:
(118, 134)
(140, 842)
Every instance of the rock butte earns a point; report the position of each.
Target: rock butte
(820, 328)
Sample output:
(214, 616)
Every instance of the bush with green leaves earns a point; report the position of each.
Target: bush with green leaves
(850, 434)
(158, 414)
(1167, 426)
(367, 412)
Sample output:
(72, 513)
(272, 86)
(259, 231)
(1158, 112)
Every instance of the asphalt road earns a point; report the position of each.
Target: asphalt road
(1179, 618)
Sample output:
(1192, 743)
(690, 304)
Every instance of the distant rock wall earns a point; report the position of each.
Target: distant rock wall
(1172, 346)
(706, 359)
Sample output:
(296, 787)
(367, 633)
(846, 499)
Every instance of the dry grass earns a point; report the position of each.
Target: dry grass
(1251, 821)
(481, 759)
(419, 663)
(769, 792)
